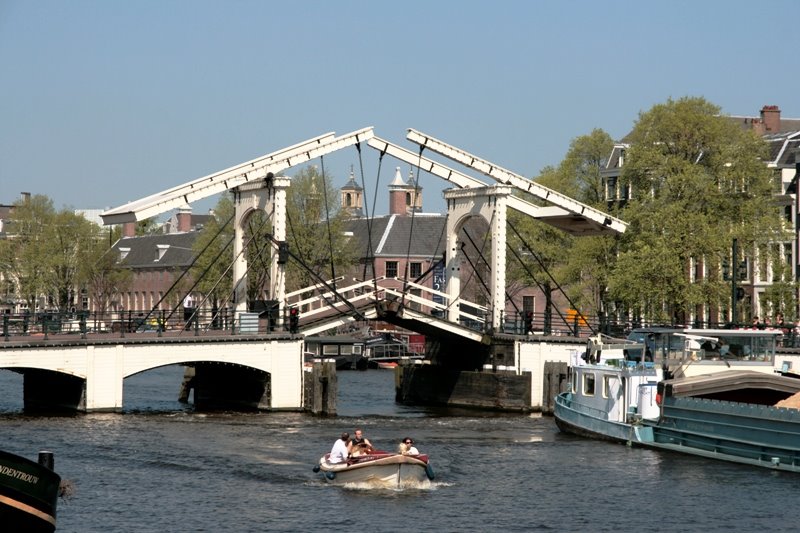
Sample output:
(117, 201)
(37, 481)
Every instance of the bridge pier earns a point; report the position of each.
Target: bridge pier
(46, 391)
(321, 387)
(221, 386)
(513, 374)
(436, 385)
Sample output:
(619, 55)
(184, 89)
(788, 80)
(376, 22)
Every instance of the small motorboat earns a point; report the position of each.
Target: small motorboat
(379, 469)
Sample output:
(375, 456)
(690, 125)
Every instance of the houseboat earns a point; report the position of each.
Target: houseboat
(704, 392)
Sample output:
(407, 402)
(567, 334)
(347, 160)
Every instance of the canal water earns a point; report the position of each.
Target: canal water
(159, 467)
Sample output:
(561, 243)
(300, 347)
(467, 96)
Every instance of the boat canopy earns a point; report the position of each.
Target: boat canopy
(741, 383)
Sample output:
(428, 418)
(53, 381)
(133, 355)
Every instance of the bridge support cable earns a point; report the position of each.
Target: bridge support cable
(187, 269)
(332, 289)
(411, 229)
(486, 262)
(370, 257)
(370, 218)
(259, 253)
(546, 271)
(430, 269)
(222, 276)
(327, 218)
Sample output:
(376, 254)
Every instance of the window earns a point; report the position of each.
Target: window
(391, 269)
(588, 384)
(609, 382)
(611, 188)
(416, 270)
(574, 383)
(330, 349)
(528, 304)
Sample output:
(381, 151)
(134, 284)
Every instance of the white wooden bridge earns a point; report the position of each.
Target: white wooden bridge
(99, 366)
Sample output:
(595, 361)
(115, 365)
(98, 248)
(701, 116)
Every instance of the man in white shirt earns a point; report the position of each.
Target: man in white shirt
(340, 450)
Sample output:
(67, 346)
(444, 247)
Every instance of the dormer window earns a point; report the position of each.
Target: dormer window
(123, 253)
(161, 250)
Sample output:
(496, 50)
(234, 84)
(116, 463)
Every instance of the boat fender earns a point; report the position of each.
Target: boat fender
(330, 475)
(316, 468)
(429, 472)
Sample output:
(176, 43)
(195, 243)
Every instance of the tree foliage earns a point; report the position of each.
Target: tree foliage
(50, 255)
(23, 255)
(69, 242)
(214, 252)
(316, 227)
(698, 181)
(580, 265)
(104, 278)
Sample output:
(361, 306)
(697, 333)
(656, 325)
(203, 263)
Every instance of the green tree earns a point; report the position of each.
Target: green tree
(24, 256)
(579, 174)
(102, 275)
(212, 269)
(316, 226)
(148, 226)
(579, 265)
(698, 181)
(47, 252)
(67, 244)
(589, 260)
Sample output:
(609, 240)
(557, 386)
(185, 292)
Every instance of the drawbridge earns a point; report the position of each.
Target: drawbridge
(258, 185)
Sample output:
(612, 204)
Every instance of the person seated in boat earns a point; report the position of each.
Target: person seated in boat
(360, 445)
(341, 449)
(710, 349)
(725, 350)
(407, 447)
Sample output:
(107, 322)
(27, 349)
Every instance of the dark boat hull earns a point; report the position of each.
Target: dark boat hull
(28, 494)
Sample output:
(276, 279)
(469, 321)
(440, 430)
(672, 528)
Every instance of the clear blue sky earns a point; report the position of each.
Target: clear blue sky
(104, 102)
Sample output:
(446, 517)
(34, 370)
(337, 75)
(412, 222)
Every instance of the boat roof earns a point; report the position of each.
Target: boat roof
(730, 380)
(707, 332)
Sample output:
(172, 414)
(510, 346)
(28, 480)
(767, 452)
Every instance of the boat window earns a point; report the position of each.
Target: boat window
(330, 349)
(588, 384)
(574, 382)
(608, 383)
(346, 349)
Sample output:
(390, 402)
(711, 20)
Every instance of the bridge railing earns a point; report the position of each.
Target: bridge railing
(316, 301)
(54, 324)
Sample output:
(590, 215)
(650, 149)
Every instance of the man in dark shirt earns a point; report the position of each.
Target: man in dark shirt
(360, 443)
